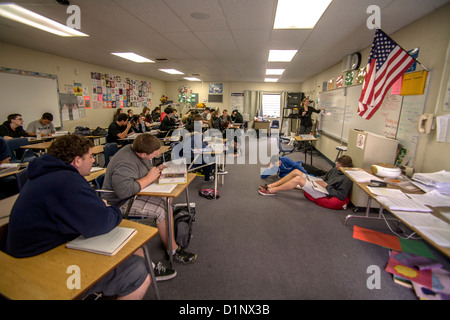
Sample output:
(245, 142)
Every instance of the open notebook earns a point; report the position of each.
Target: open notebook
(108, 244)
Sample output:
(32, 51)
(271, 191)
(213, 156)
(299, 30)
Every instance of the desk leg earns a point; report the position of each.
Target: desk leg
(215, 177)
(369, 202)
(148, 262)
(169, 233)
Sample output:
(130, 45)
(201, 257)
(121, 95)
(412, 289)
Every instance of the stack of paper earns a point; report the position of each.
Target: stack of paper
(439, 181)
(361, 175)
(402, 204)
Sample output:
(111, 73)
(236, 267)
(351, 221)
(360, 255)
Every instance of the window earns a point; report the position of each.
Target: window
(271, 105)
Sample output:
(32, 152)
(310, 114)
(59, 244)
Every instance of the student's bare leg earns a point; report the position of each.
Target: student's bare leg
(294, 173)
(288, 185)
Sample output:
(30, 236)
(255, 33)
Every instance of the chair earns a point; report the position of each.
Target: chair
(110, 149)
(284, 148)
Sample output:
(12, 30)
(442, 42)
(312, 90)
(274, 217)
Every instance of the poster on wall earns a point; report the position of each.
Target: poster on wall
(112, 91)
(237, 102)
(216, 88)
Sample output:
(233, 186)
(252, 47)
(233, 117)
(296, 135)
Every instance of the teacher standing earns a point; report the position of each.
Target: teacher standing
(305, 116)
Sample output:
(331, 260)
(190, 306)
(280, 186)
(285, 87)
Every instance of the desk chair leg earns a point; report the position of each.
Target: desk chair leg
(169, 233)
(148, 262)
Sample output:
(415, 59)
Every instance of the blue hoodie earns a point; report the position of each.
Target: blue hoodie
(287, 165)
(56, 205)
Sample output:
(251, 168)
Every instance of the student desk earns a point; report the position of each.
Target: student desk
(219, 160)
(39, 147)
(175, 193)
(308, 139)
(363, 186)
(44, 277)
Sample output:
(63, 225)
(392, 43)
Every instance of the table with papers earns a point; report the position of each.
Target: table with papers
(426, 213)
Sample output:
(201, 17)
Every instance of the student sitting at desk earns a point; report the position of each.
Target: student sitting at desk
(131, 170)
(197, 143)
(119, 129)
(237, 117)
(336, 183)
(138, 125)
(168, 123)
(44, 125)
(156, 114)
(12, 127)
(57, 205)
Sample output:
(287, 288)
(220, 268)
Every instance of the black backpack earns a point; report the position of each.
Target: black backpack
(182, 222)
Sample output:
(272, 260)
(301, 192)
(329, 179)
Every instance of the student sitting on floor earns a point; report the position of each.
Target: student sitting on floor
(283, 165)
(337, 184)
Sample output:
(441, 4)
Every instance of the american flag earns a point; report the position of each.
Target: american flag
(387, 62)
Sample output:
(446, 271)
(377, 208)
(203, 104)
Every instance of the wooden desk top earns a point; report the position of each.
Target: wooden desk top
(175, 192)
(436, 211)
(38, 146)
(300, 138)
(94, 175)
(44, 277)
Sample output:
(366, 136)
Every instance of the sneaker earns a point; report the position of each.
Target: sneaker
(222, 172)
(183, 256)
(265, 192)
(211, 178)
(162, 273)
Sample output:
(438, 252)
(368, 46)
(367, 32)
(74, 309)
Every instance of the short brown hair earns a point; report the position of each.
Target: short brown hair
(67, 147)
(345, 161)
(146, 143)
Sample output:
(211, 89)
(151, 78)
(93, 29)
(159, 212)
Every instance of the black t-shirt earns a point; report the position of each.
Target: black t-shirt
(5, 130)
(113, 130)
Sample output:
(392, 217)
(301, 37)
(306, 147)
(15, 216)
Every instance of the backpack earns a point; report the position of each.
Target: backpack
(99, 132)
(182, 222)
(208, 193)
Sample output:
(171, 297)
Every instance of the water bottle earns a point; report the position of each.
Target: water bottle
(38, 135)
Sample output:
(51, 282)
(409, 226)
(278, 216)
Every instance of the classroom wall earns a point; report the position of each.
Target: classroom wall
(431, 34)
(25, 59)
(202, 88)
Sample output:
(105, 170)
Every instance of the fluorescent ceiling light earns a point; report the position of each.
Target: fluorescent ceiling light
(171, 71)
(191, 79)
(132, 56)
(274, 71)
(22, 15)
(281, 55)
(270, 80)
(299, 14)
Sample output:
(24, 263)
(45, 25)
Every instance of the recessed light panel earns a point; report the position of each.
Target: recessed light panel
(299, 14)
(132, 56)
(281, 55)
(171, 71)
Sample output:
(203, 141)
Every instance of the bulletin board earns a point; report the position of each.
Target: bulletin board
(29, 94)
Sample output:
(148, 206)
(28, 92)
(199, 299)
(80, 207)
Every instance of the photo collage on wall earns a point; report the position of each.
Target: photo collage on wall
(109, 91)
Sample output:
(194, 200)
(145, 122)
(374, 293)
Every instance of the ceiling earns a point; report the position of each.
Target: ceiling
(215, 40)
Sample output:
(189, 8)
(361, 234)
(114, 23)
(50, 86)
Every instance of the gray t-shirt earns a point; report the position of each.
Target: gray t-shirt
(44, 129)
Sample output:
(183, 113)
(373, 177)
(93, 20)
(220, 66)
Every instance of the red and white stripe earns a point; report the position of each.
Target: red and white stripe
(377, 83)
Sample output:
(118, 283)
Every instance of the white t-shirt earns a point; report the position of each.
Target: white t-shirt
(44, 129)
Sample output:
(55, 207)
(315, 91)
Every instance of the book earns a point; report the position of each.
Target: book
(9, 167)
(175, 173)
(107, 244)
(315, 185)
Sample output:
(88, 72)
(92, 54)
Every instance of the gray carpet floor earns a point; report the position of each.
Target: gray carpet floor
(274, 248)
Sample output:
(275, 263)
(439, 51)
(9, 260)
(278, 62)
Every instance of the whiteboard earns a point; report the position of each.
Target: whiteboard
(30, 96)
(340, 115)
